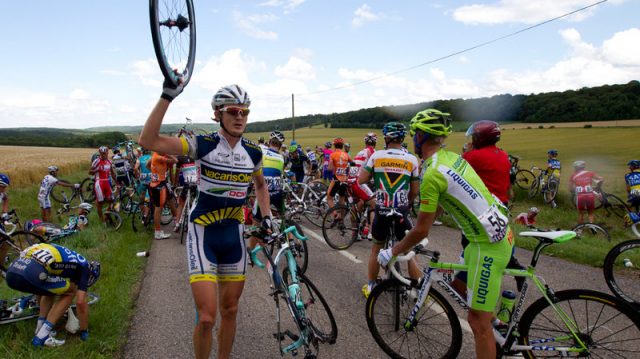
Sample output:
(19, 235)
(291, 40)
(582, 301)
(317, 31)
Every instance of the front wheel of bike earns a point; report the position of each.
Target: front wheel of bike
(591, 230)
(524, 179)
(88, 188)
(435, 333)
(112, 220)
(300, 248)
(340, 227)
(315, 211)
(615, 205)
(622, 270)
(605, 325)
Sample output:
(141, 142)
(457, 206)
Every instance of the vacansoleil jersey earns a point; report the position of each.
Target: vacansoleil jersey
(225, 175)
(393, 170)
(449, 181)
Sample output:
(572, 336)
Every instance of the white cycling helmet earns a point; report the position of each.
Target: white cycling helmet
(52, 168)
(579, 164)
(533, 210)
(277, 135)
(230, 95)
(86, 206)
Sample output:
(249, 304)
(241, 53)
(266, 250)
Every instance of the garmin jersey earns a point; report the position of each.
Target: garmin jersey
(225, 175)
(393, 171)
(46, 186)
(60, 261)
(449, 181)
(272, 169)
(633, 181)
(362, 157)
(145, 173)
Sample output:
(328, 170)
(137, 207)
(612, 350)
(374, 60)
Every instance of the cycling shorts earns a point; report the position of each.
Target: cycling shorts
(44, 202)
(28, 276)
(216, 253)
(103, 190)
(326, 173)
(299, 175)
(337, 187)
(276, 201)
(381, 227)
(585, 201)
(124, 180)
(361, 191)
(486, 263)
(158, 194)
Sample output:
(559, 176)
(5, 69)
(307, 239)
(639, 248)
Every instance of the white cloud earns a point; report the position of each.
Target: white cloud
(521, 11)
(297, 69)
(250, 25)
(229, 68)
(622, 48)
(363, 14)
(286, 5)
(79, 94)
(148, 72)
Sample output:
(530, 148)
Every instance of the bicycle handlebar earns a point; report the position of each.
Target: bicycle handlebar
(405, 258)
(254, 252)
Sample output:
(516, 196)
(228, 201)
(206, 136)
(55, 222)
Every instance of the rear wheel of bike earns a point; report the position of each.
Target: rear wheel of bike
(88, 188)
(551, 191)
(112, 220)
(591, 230)
(607, 326)
(173, 29)
(315, 211)
(524, 179)
(300, 250)
(316, 308)
(436, 331)
(340, 227)
(614, 205)
(622, 270)
(534, 189)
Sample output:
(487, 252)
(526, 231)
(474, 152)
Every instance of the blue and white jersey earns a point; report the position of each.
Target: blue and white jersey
(633, 181)
(225, 175)
(46, 186)
(312, 157)
(553, 163)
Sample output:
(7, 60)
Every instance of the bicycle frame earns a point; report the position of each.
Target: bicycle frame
(433, 274)
(300, 200)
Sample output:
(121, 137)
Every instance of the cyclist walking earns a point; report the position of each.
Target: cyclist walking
(581, 185)
(396, 181)
(46, 185)
(159, 190)
(216, 251)
(450, 183)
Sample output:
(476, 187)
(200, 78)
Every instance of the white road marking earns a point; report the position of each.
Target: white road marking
(310, 232)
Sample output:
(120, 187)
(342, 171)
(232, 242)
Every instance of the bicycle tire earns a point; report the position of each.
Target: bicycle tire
(33, 311)
(621, 271)
(340, 234)
(315, 212)
(635, 228)
(185, 219)
(534, 189)
(87, 186)
(437, 327)
(113, 220)
(138, 222)
(170, 31)
(320, 317)
(524, 179)
(615, 205)
(20, 240)
(551, 191)
(591, 230)
(587, 309)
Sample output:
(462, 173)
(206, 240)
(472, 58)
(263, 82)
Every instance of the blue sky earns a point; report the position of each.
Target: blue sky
(77, 64)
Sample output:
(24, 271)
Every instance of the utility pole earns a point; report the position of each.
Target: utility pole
(293, 117)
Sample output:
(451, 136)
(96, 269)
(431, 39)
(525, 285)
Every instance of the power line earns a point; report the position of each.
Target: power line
(454, 53)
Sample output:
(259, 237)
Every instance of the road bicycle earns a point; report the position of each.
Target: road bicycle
(611, 203)
(574, 322)
(520, 177)
(12, 223)
(12, 244)
(191, 191)
(71, 195)
(591, 230)
(622, 271)
(27, 307)
(549, 189)
(313, 319)
(343, 224)
(307, 198)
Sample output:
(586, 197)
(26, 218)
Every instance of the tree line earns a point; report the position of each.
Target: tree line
(51, 137)
(602, 103)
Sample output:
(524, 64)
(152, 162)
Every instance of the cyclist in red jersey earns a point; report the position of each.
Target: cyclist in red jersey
(104, 175)
(581, 185)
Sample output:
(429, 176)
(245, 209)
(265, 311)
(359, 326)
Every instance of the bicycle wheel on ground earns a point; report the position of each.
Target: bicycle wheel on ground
(112, 220)
(300, 248)
(607, 326)
(534, 189)
(615, 205)
(87, 186)
(551, 191)
(316, 308)
(340, 227)
(591, 230)
(436, 332)
(524, 179)
(173, 29)
(622, 270)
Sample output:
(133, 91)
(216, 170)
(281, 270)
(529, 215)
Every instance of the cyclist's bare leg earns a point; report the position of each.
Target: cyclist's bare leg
(460, 287)
(205, 295)
(60, 307)
(99, 207)
(46, 301)
(373, 267)
(46, 214)
(480, 323)
(413, 269)
(157, 211)
(590, 216)
(230, 293)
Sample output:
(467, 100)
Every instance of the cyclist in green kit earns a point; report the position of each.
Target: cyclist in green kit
(450, 183)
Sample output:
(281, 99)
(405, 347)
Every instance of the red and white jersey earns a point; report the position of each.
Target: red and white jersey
(363, 156)
(103, 167)
(583, 181)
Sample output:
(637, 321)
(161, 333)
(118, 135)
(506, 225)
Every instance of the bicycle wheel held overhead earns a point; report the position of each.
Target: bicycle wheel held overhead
(173, 30)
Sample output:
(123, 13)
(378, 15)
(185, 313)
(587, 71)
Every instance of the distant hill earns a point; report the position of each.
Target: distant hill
(54, 137)
(166, 128)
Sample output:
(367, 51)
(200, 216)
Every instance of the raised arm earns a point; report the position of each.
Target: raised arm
(150, 137)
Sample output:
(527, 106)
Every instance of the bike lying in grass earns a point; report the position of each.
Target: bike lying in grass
(27, 307)
(314, 321)
(410, 320)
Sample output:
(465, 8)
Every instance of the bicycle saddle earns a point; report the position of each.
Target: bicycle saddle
(555, 236)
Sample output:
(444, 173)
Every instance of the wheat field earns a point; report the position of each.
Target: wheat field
(28, 165)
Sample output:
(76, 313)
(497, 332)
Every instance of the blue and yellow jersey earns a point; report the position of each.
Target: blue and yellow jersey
(60, 261)
(272, 169)
(554, 165)
(633, 182)
(225, 175)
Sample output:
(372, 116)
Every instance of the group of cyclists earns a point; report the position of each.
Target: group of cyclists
(473, 188)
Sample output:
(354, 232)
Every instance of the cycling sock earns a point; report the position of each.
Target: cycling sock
(44, 330)
(371, 284)
(40, 322)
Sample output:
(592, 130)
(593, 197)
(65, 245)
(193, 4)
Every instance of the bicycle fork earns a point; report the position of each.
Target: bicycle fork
(411, 322)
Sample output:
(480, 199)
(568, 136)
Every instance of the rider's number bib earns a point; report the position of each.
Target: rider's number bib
(400, 199)
(495, 224)
(586, 189)
(43, 257)
(273, 183)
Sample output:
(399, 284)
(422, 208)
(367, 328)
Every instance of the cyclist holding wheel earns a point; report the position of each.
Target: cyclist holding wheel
(50, 271)
(46, 185)
(450, 183)
(216, 251)
(553, 164)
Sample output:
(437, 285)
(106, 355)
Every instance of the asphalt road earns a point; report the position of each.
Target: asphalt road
(164, 319)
